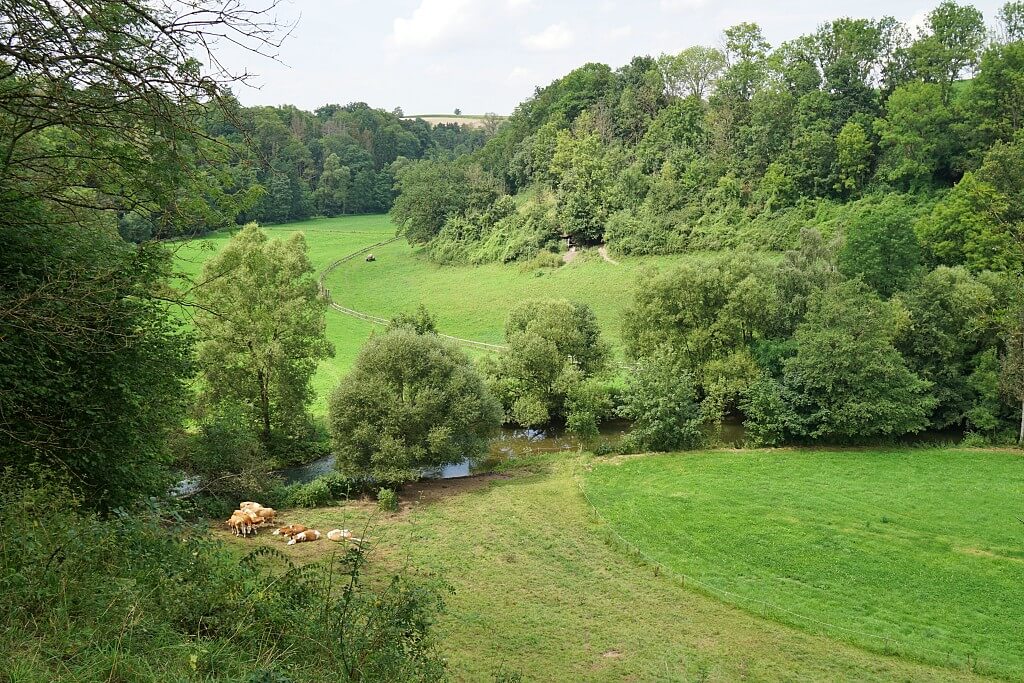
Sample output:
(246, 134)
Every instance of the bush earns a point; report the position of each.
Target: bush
(181, 607)
(387, 500)
(661, 400)
(313, 494)
(411, 402)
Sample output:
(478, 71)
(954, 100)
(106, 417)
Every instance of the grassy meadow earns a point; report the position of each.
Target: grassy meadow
(542, 587)
(468, 301)
(917, 552)
(472, 301)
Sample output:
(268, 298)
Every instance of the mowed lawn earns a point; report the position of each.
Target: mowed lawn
(539, 589)
(917, 552)
(328, 239)
(473, 301)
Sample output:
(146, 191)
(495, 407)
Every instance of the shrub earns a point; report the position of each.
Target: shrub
(313, 494)
(661, 400)
(181, 607)
(387, 500)
(411, 402)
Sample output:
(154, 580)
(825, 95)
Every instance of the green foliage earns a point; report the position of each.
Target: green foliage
(411, 402)
(94, 367)
(769, 419)
(262, 331)
(880, 246)
(432, 192)
(914, 135)
(419, 321)
(846, 379)
(547, 374)
(140, 596)
(661, 400)
(387, 500)
(980, 222)
(310, 495)
(952, 322)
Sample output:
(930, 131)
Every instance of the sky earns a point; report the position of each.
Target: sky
(432, 56)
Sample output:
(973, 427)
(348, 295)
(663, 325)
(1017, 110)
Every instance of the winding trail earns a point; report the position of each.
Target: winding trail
(377, 320)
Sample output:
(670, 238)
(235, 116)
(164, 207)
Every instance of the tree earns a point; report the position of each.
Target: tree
(693, 71)
(880, 246)
(411, 402)
(458, 112)
(952, 324)
(583, 180)
(853, 157)
(419, 321)
(914, 135)
(554, 352)
(100, 111)
(980, 222)
(430, 192)
(331, 195)
(661, 401)
(953, 38)
(262, 330)
(846, 379)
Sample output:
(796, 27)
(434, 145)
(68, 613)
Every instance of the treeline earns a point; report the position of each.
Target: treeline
(747, 145)
(278, 164)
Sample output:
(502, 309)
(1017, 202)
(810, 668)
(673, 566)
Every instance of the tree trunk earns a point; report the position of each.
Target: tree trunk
(264, 406)
(1020, 439)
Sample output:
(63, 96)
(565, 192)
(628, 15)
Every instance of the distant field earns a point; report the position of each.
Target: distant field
(919, 553)
(468, 301)
(471, 120)
(473, 301)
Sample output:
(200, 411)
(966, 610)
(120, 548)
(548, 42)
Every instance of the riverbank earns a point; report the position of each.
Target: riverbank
(541, 588)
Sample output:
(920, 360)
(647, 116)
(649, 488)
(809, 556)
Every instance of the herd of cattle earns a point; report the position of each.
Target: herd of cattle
(250, 516)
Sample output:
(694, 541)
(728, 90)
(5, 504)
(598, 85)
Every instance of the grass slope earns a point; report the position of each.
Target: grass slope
(328, 240)
(539, 589)
(923, 549)
(472, 301)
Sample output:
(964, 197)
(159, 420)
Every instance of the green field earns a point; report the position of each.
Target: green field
(541, 587)
(918, 552)
(472, 301)
(468, 301)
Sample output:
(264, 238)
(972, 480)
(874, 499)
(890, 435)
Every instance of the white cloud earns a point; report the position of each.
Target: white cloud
(620, 32)
(680, 5)
(516, 5)
(435, 21)
(519, 74)
(554, 37)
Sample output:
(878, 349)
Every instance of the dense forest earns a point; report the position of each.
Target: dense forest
(278, 164)
(746, 145)
(861, 188)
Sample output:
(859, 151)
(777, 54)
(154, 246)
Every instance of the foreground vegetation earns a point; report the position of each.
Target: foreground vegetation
(543, 587)
(913, 552)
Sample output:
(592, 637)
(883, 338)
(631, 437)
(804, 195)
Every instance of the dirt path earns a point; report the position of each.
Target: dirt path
(376, 320)
(603, 251)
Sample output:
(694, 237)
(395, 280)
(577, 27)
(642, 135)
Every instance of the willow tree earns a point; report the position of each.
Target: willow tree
(262, 328)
